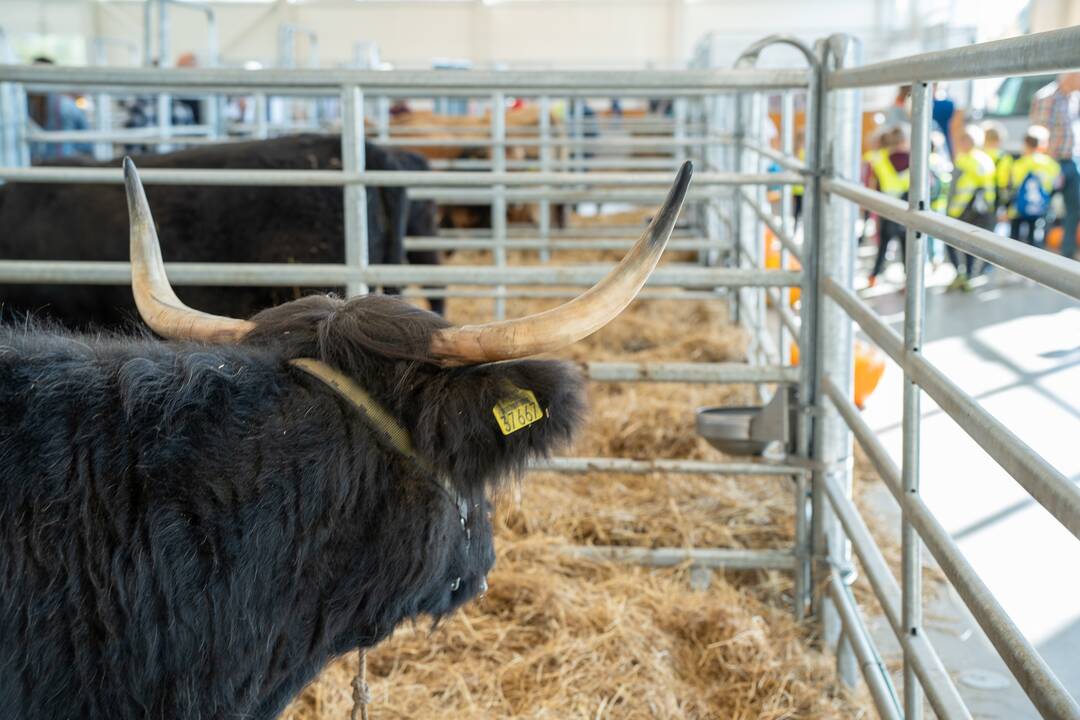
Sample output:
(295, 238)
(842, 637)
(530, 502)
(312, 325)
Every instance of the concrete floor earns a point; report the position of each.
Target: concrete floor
(1015, 348)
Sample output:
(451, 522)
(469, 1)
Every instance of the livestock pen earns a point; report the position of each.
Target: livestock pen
(718, 122)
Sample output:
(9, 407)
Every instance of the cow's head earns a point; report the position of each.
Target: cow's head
(446, 385)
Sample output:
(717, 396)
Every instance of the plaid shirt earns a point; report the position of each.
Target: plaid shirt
(1059, 113)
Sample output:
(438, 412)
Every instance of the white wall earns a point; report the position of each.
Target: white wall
(523, 33)
(527, 33)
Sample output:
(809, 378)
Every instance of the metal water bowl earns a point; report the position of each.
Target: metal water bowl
(728, 429)
(745, 430)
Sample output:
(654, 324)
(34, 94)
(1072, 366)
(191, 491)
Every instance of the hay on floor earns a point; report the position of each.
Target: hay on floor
(558, 637)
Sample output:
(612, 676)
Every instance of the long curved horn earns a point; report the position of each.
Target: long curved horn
(576, 319)
(157, 303)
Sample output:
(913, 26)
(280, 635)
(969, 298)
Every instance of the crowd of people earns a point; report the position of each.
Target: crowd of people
(973, 179)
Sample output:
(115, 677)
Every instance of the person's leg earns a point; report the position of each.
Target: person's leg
(882, 252)
(1029, 231)
(1038, 232)
(955, 257)
(1015, 226)
(1070, 190)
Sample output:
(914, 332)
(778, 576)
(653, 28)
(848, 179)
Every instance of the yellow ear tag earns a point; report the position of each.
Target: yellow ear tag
(517, 410)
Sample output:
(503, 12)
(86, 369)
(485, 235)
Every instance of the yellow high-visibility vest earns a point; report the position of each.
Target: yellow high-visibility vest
(973, 171)
(889, 180)
(1003, 163)
(1041, 165)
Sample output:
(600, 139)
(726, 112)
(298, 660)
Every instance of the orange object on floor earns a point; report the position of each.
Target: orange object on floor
(1055, 235)
(869, 367)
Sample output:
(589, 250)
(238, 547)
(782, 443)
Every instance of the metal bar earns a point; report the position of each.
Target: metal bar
(164, 100)
(783, 159)
(936, 680)
(355, 196)
(1045, 52)
(544, 209)
(811, 300)
(1032, 673)
(574, 143)
(787, 224)
(646, 294)
(415, 83)
(381, 178)
(728, 558)
(125, 135)
(578, 465)
(833, 351)
(1044, 482)
(498, 205)
(1052, 270)
(915, 259)
(324, 275)
(870, 663)
(593, 163)
(690, 372)
(436, 243)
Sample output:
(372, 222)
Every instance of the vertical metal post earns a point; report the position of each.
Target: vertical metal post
(808, 330)
(679, 111)
(22, 122)
(383, 109)
(834, 348)
(214, 103)
(787, 211)
(262, 128)
(164, 101)
(579, 133)
(498, 203)
(739, 218)
(915, 261)
(148, 32)
(801, 486)
(544, 221)
(7, 125)
(759, 116)
(353, 160)
(102, 115)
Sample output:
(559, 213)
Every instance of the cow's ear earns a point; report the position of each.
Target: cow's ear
(483, 424)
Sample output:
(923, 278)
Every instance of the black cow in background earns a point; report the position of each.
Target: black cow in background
(205, 224)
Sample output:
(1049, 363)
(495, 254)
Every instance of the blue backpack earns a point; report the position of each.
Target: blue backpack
(1032, 199)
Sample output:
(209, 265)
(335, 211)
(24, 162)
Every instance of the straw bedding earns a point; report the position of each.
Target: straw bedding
(558, 637)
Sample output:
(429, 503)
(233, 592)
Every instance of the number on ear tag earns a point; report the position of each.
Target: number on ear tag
(517, 410)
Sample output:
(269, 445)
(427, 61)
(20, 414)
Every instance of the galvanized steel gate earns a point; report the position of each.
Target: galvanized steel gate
(724, 109)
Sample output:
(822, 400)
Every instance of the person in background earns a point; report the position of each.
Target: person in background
(899, 112)
(1032, 180)
(889, 173)
(995, 135)
(944, 115)
(193, 113)
(55, 111)
(797, 191)
(941, 171)
(1057, 108)
(971, 197)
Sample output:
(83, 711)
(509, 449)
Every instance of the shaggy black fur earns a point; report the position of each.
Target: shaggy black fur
(194, 531)
(202, 224)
